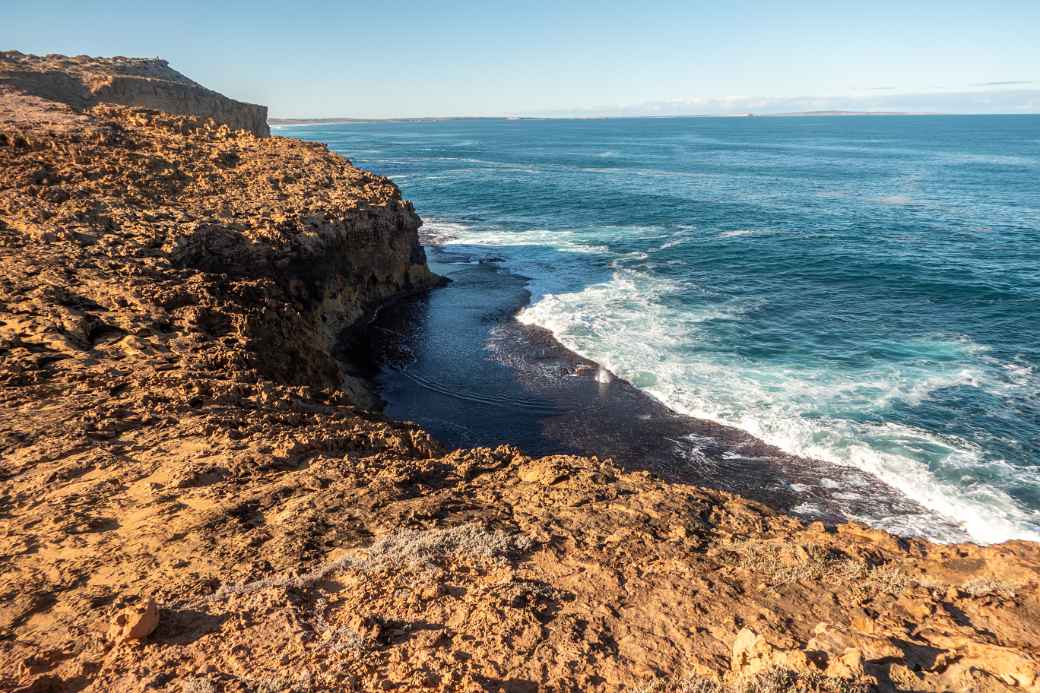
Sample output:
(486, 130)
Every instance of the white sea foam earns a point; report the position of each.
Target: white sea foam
(737, 233)
(442, 232)
(993, 160)
(563, 240)
(625, 324)
(634, 256)
(807, 509)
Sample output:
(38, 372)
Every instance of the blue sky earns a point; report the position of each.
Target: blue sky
(375, 59)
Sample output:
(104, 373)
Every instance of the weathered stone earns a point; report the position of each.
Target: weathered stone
(134, 622)
(137, 82)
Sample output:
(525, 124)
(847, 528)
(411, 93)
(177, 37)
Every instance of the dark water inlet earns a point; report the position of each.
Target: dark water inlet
(457, 362)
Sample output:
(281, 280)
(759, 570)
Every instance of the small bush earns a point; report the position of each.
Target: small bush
(989, 587)
(781, 680)
(772, 680)
(686, 684)
(197, 684)
(886, 579)
(779, 565)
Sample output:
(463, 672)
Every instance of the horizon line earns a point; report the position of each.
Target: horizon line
(301, 120)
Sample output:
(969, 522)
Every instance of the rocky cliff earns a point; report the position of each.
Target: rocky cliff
(83, 81)
(190, 500)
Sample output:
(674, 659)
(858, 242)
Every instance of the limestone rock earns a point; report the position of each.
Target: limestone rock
(83, 82)
(544, 472)
(752, 653)
(848, 666)
(134, 622)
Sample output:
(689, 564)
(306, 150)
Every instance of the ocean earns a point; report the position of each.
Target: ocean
(859, 291)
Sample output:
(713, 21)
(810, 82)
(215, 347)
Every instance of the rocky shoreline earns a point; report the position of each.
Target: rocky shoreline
(460, 364)
(194, 497)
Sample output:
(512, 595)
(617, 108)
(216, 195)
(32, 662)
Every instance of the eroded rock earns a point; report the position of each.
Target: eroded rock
(135, 622)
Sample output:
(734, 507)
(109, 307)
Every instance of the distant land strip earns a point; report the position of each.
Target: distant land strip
(436, 119)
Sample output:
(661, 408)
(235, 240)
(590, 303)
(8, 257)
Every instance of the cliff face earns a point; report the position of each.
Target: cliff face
(220, 212)
(82, 82)
(190, 499)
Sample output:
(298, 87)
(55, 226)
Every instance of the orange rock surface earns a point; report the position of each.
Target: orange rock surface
(82, 81)
(193, 496)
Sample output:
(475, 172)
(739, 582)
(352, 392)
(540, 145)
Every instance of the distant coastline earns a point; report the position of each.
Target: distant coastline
(846, 113)
(287, 122)
(431, 119)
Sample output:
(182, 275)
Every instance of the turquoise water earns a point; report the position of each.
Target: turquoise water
(859, 290)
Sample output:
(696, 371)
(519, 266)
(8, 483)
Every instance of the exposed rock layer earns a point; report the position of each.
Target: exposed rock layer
(173, 430)
(83, 81)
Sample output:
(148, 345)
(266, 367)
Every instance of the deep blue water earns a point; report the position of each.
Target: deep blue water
(864, 290)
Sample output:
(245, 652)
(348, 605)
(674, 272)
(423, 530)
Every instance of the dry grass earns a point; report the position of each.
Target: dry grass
(782, 564)
(338, 638)
(778, 565)
(990, 587)
(686, 684)
(404, 549)
(300, 684)
(772, 680)
(889, 578)
(303, 683)
(781, 680)
(197, 684)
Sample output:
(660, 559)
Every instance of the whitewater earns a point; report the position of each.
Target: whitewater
(863, 291)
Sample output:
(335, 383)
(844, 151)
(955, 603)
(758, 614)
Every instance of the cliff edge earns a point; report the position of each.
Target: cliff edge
(83, 81)
(191, 499)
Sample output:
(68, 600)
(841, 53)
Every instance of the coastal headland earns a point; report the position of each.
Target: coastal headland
(196, 494)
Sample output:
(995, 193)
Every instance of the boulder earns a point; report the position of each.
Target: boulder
(134, 622)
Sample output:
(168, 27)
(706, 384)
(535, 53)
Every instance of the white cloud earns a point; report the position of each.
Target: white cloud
(992, 101)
